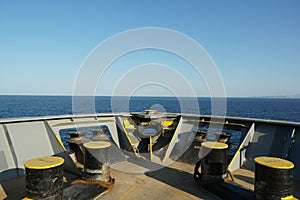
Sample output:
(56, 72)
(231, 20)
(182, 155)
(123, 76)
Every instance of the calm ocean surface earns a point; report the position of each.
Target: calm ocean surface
(264, 108)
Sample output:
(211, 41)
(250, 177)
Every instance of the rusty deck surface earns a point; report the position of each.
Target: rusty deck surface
(172, 182)
(244, 177)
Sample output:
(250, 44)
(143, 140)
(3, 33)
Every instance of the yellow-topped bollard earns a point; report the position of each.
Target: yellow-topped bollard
(214, 145)
(273, 178)
(213, 162)
(273, 162)
(95, 160)
(44, 178)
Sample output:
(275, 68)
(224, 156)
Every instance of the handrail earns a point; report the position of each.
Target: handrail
(82, 121)
(215, 122)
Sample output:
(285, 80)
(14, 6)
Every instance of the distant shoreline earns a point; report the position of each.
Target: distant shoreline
(144, 96)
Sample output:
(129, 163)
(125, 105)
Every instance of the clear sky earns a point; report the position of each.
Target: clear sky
(255, 44)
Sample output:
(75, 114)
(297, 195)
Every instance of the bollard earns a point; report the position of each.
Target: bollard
(76, 146)
(99, 135)
(95, 160)
(273, 178)
(44, 178)
(75, 143)
(223, 136)
(214, 164)
(77, 134)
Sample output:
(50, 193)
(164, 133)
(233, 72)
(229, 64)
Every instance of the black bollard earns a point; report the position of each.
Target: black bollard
(214, 162)
(77, 134)
(76, 144)
(44, 178)
(95, 160)
(273, 178)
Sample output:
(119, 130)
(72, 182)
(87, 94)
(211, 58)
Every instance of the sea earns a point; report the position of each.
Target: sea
(15, 106)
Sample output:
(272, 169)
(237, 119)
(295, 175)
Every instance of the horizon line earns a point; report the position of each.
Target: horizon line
(160, 96)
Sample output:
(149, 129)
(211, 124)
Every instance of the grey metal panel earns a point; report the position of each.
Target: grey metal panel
(6, 158)
(240, 156)
(113, 130)
(174, 140)
(294, 154)
(260, 143)
(268, 140)
(288, 143)
(56, 146)
(182, 139)
(30, 140)
(186, 137)
(3, 161)
(280, 141)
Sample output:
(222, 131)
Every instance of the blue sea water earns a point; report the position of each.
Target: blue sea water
(12, 106)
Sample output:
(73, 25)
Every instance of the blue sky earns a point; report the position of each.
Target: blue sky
(255, 44)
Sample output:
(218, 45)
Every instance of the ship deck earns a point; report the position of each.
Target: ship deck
(172, 182)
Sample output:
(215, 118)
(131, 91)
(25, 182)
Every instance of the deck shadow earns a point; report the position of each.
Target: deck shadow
(180, 180)
(296, 190)
(246, 179)
(12, 180)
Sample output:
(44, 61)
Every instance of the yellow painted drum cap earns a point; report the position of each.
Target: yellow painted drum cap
(97, 145)
(214, 145)
(44, 162)
(289, 198)
(273, 162)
